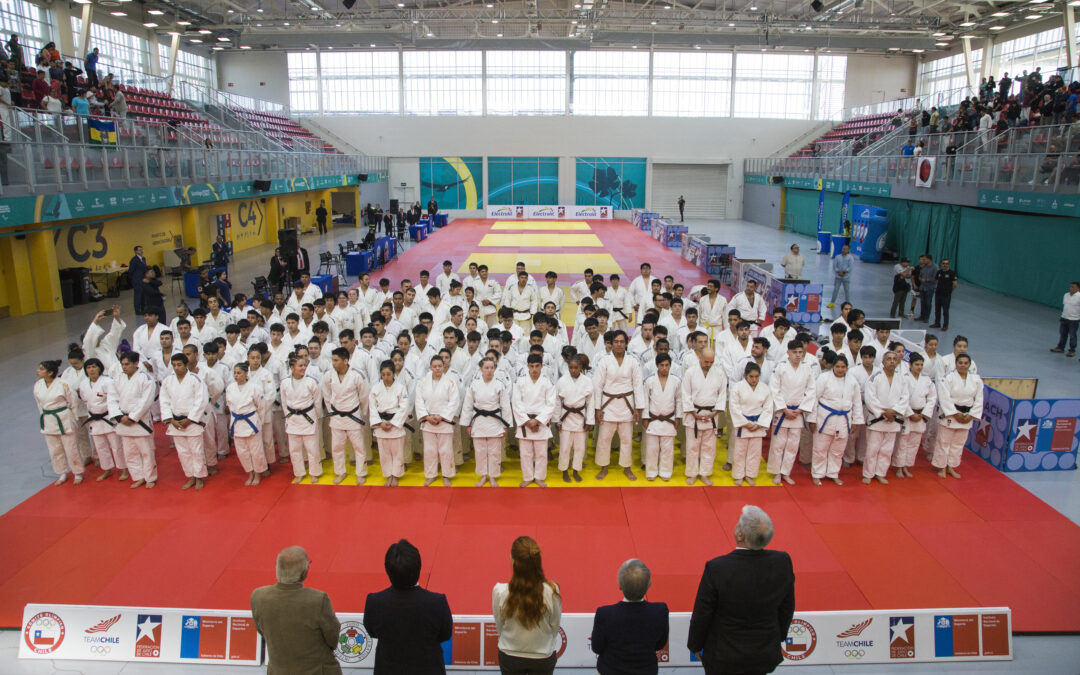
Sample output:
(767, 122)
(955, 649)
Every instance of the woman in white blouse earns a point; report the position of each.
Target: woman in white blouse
(527, 612)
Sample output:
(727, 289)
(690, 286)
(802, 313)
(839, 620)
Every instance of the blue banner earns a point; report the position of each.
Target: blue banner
(844, 209)
(820, 209)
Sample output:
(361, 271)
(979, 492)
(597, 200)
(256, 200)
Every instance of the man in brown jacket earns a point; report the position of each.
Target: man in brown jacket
(297, 623)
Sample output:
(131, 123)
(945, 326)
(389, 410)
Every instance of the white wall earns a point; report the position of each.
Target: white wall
(873, 78)
(254, 73)
(691, 141)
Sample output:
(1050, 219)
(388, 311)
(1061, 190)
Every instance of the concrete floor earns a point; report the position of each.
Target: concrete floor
(1009, 337)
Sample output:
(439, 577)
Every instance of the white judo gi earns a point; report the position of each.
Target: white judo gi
(440, 397)
(533, 400)
(486, 412)
(880, 394)
(702, 394)
(302, 402)
(956, 394)
(575, 411)
(618, 393)
(663, 406)
(188, 399)
(748, 405)
(133, 397)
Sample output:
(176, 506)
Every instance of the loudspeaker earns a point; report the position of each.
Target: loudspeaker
(817, 6)
(393, 205)
(288, 242)
(777, 180)
(361, 177)
(261, 186)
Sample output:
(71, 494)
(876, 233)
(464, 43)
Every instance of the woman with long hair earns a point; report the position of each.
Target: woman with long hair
(527, 612)
(57, 402)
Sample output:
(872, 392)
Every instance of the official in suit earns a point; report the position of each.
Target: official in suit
(297, 623)
(627, 635)
(744, 603)
(409, 622)
(136, 270)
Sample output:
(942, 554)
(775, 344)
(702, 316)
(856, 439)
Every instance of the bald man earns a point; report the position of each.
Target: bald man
(297, 623)
(704, 396)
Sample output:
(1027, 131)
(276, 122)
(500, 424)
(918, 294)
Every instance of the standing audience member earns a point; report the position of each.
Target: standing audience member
(527, 612)
(744, 603)
(1070, 320)
(927, 284)
(945, 283)
(410, 622)
(90, 63)
(297, 623)
(900, 288)
(136, 271)
(793, 263)
(842, 265)
(682, 207)
(627, 635)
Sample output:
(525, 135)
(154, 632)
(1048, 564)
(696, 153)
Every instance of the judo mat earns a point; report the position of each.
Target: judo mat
(921, 542)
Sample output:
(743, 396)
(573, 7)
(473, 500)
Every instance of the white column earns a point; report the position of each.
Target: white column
(734, 71)
(989, 63)
(972, 82)
(401, 81)
(1070, 33)
(155, 59)
(84, 30)
(65, 38)
(174, 47)
(483, 83)
(814, 89)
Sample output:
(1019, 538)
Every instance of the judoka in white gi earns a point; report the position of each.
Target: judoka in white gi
(663, 406)
(215, 387)
(302, 401)
(246, 411)
(389, 407)
(94, 393)
(922, 399)
(345, 394)
(485, 415)
(704, 396)
(437, 400)
(533, 404)
(184, 400)
(839, 407)
(57, 402)
(794, 397)
(618, 397)
(575, 415)
(751, 408)
(130, 400)
(885, 396)
(960, 400)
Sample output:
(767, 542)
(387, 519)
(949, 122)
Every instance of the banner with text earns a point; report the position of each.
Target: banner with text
(527, 212)
(229, 637)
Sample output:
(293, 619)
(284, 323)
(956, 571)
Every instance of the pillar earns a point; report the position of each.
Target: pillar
(84, 30)
(274, 221)
(45, 271)
(972, 82)
(15, 266)
(1069, 18)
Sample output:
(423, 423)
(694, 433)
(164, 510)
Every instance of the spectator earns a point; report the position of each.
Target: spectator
(320, 216)
(432, 207)
(136, 270)
(297, 623)
(219, 255)
(410, 622)
(186, 255)
(842, 265)
(901, 287)
(40, 87)
(222, 287)
(682, 202)
(744, 603)
(935, 117)
(927, 282)
(527, 612)
(80, 105)
(793, 263)
(1047, 167)
(1004, 85)
(279, 268)
(627, 635)
(90, 63)
(945, 283)
(51, 101)
(6, 111)
(1070, 320)
(919, 147)
(119, 104)
(15, 51)
(71, 79)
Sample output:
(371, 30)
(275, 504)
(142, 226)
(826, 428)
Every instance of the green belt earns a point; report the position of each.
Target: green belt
(55, 413)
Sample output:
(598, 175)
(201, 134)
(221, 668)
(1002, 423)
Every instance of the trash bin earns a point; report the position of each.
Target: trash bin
(67, 292)
(838, 242)
(824, 239)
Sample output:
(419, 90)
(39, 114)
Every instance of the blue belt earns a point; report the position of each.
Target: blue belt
(780, 422)
(833, 413)
(752, 418)
(246, 417)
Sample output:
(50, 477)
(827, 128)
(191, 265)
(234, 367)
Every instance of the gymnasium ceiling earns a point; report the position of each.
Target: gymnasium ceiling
(845, 25)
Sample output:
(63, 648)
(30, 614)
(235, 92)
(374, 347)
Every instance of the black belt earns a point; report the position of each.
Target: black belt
(477, 412)
(712, 418)
(181, 418)
(960, 408)
(142, 424)
(620, 311)
(99, 417)
(305, 411)
(575, 411)
(386, 417)
(334, 412)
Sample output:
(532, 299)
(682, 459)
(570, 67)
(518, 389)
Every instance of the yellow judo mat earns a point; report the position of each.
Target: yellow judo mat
(540, 262)
(540, 225)
(511, 473)
(541, 240)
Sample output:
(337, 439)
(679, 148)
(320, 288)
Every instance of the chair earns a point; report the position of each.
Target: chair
(262, 286)
(176, 280)
(326, 262)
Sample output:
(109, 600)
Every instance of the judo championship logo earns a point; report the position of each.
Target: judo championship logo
(148, 636)
(800, 641)
(44, 633)
(354, 643)
(901, 637)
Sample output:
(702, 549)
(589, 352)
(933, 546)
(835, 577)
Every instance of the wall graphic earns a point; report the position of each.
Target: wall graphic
(454, 182)
(611, 181)
(523, 180)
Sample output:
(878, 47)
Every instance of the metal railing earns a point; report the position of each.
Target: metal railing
(1033, 172)
(1045, 138)
(925, 101)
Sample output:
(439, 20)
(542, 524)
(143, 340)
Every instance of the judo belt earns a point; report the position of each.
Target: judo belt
(663, 418)
(882, 419)
(477, 412)
(712, 418)
(959, 408)
(750, 418)
(527, 315)
(144, 425)
(780, 422)
(334, 412)
(305, 411)
(620, 311)
(624, 396)
(386, 417)
(181, 418)
(99, 417)
(243, 417)
(833, 412)
(525, 429)
(575, 411)
(55, 412)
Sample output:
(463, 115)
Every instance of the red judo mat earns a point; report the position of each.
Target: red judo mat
(922, 542)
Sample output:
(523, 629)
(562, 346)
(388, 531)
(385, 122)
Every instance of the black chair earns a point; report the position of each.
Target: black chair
(262, 286)
(326, 262)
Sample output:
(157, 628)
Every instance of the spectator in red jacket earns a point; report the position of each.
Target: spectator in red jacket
(40, 87)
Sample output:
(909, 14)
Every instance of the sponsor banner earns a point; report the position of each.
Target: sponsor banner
(555, 212)
(1031, 202)
(86, 633)
(223, 637)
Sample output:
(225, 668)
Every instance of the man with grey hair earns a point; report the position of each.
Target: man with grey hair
(297, 623)
(744, 603)
(627, 635)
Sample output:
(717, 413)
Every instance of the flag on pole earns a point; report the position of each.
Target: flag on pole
(102, 131)
(844, 209)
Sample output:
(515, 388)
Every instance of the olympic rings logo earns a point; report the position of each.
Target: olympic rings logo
(100, 650)
(796, 629)
(854, 653)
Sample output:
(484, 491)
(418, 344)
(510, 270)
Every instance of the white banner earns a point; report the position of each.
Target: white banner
(924, 171)
(555, 212)
(229, 637)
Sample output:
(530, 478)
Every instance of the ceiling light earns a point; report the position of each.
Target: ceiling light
(245, 46)
(490, 5)
(697, 46)
(917, 51)
(150, 24)
(224, 39)
(205, 31)
(967, 37)
(1000, 14)
(578, 6)
(967, 24)
(753, 8)
(809, 28)
(401, 4)
(228, 11)
(286, 23)
(195, 40)
(997, 27)
(942, 44)
(430, 34)
(258, 25)
(171, 32)
(494, 21)
(894, 49)
(82, 2)
(731, 24)
(827, 51)
(371, 45)
(667, 6)
(1032, 17)
(633, 46)
(498, 35)
(938, 34)
(574, 22)
(155, 12)
(118, 13)
(219, 49)
(337, 25)
(1036, 2)
(1074, 3)
(183, 23)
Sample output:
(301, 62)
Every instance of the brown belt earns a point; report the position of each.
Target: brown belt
(663, 418)
(575, 411)
(624, 396)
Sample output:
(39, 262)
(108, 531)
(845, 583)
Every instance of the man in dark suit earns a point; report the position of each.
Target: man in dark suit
(136, 269)
(744, 603)
(627, 635)
(297, 623)
(150, 293)
(409, 622)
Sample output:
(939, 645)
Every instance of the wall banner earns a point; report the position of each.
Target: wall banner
(555, 212)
